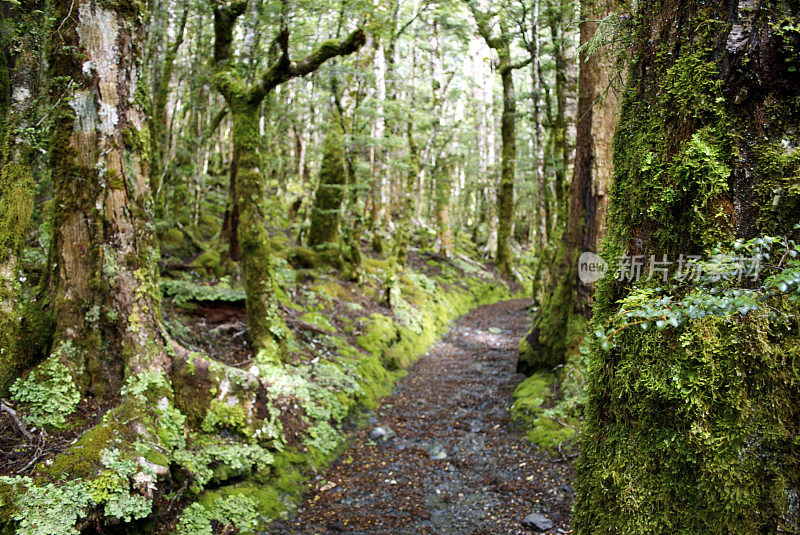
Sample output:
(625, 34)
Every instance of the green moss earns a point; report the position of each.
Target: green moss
(379, 333)
(330, 192)
(531, 394)
(16, 207)
(210, 264)
(82, 459)
(546, 429)
(688, 430)
(550, 433)
(25, 335)
(318, 320)
(331, 289)
(676, 188)
(172, 238)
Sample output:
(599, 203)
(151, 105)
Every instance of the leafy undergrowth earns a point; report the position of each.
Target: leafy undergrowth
(226, 441)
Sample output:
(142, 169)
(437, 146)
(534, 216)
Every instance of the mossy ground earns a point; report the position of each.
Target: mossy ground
(239, 456)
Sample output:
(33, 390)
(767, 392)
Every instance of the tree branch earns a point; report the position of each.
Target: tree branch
(284, 69)
(225, 17)
(16, 420)
(517, 65)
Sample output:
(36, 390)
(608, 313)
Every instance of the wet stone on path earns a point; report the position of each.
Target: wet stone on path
(441, 456)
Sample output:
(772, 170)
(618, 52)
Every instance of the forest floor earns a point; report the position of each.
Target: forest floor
(456, 464)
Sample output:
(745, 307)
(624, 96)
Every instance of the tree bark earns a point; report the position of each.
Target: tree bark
(105, 279)
(545, 346)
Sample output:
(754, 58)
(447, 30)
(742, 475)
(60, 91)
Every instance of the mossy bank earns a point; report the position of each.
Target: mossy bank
(215, 444)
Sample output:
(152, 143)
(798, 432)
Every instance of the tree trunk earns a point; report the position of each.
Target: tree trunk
(19, 73)
(694, 429)
(105, 279)
(330, 191)
(264, 321)
(407, 203)
(545, 346)
(505, 194)
(560, 142)
(444, 184)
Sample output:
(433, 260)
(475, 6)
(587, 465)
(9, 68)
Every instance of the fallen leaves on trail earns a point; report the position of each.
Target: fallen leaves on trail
(455, 465)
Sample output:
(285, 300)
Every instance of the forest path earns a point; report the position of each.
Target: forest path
(455, 466)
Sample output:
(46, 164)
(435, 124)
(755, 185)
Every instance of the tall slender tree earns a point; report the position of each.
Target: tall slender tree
(501, 43)
(568, 298)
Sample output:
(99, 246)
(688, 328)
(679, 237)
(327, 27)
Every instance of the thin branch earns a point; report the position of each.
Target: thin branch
(17, 421)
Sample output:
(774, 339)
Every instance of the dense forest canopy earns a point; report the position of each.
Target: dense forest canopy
(229, 228)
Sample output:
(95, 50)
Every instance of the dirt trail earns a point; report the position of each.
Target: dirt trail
(455, 402)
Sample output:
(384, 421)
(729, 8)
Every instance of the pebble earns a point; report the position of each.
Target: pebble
(537, 521)
(437, 452)
(384, 434)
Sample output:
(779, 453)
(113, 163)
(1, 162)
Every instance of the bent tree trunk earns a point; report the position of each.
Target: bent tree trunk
(694, 429)
(267, 330)
(104, 278)
(567, 302)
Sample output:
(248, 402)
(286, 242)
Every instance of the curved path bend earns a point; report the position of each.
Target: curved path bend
(456, 464)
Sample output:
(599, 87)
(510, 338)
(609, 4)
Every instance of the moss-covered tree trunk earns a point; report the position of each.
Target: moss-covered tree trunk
(505, 190)
(694, 429)
(19, 76)
(330, 190)
(407, 201)
(505, 193)
(444, 185)
(264, 321)
(105, 280)
(248, 185)
(567, 301)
